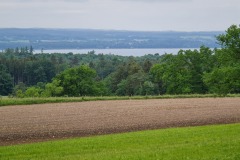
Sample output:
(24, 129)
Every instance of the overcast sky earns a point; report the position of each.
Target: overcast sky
(145, 15)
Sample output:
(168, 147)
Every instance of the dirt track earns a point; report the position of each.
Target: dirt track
(31, 123)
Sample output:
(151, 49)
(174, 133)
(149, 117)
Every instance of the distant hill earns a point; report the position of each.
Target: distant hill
(100, 39)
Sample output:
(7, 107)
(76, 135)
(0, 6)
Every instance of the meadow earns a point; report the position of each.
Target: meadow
(214, 142)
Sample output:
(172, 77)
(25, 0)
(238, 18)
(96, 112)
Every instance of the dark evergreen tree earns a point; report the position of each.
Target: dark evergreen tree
(6, 84)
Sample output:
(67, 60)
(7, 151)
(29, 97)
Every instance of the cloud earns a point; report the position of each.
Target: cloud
(157, 1)
(121, 14)
(23, 1)
(40, 1)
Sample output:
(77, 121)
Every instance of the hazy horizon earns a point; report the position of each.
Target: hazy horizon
(120, 30)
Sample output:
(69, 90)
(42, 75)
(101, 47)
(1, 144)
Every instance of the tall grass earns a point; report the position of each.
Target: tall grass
(220, 142)
(5, 101)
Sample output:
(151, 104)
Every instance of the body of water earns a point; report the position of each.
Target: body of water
(122, 52)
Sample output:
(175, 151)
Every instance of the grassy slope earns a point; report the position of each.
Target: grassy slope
(207, 142)
(5, 101)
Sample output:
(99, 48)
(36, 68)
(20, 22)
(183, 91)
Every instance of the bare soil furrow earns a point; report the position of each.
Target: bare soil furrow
(33, 123)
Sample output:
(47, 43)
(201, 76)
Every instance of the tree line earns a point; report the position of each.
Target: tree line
(200, 71)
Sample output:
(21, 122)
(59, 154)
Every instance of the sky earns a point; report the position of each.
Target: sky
(139, 15)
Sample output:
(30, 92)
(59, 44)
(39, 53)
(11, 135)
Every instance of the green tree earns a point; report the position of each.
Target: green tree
(147, 64)
(19, 94)
(6, 85)
(33, 92)
(156, 74)
(38, 71)
(127, 71)
(149, 88)
(183, 73)
(19, 89)
(132, 85)
(74, 60)
(78, 81)
(230, 42)
(31, 50)
(121, 88)
(53, 89)
(199, 62)
(172, 74)
(116, 77)
(224, 78)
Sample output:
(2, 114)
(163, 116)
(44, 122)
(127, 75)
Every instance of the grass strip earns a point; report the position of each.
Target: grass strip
(5, 101)
(216, 142)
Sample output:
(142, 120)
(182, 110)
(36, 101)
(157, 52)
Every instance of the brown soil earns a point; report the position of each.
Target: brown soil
(33, 123)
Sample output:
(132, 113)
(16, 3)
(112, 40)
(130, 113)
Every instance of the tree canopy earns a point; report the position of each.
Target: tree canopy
(224, 77)
(78, 81)
(5, 81)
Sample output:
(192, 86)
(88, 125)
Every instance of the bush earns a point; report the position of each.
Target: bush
(33, 92)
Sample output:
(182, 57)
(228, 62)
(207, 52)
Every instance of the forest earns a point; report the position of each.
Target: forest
(200, 71)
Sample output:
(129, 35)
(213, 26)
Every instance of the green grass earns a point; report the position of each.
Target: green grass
(5, 101)
(219, 142)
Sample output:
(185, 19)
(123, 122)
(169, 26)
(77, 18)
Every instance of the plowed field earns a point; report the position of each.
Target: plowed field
(32, 123)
